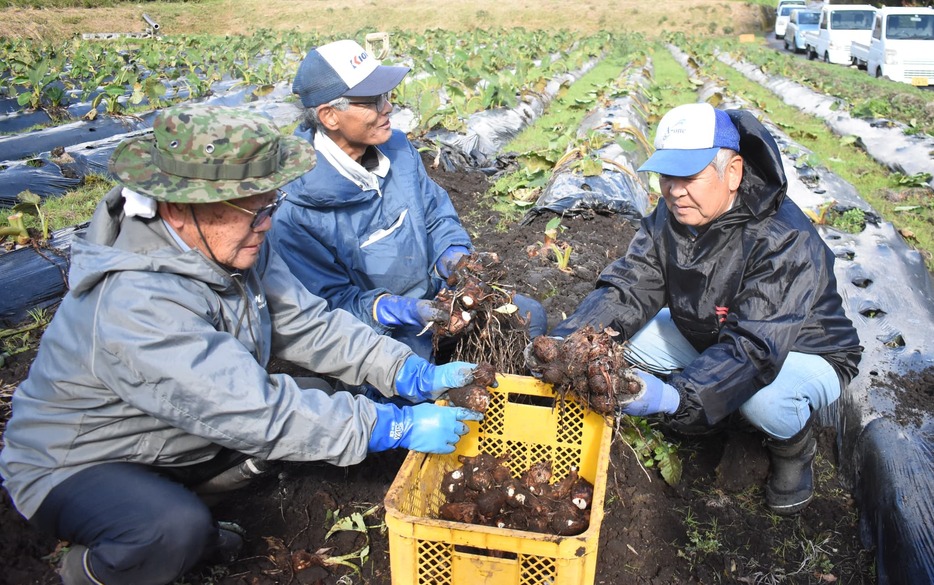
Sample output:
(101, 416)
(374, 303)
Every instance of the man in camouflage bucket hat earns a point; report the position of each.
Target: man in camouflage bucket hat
(150, 387)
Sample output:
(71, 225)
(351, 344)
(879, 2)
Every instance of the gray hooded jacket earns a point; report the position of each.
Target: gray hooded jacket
(157, 356)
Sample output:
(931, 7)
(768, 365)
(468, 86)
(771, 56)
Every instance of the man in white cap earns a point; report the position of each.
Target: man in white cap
(367, 229)
(727, 297)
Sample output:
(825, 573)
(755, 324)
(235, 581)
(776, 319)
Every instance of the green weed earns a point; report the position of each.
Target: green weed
(651, 447)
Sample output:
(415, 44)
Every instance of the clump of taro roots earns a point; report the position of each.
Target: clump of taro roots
(590, 365)
(475, 395)
(483, 491)
(484, 320)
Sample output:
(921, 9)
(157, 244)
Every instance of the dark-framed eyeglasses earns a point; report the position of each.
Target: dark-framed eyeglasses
(379, 101)
(264, 212)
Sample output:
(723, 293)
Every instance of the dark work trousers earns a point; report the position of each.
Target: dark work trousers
(140, 527)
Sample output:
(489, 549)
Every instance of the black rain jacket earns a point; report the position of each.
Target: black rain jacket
(757, 284)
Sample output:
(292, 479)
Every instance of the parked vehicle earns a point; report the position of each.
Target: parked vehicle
(799, 22)
(901, 47)
(840, 24)
(782, 14)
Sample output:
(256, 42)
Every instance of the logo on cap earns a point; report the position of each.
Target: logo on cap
(358, 60)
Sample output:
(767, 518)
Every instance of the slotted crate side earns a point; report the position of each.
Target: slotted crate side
(425, 549)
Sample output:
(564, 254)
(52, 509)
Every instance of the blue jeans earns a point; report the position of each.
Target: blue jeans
(806, 382)
(140, 527)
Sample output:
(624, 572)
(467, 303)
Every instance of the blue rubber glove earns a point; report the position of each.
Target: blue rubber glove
(427, 428)
(419, 380)
(658, 397)
(448, 260)
(395, 310)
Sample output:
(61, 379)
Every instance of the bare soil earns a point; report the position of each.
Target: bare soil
(710, 528)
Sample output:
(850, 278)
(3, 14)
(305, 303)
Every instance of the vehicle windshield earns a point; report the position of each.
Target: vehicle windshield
(851, 19)
(914, 27)
(788, 8)
(808, 17)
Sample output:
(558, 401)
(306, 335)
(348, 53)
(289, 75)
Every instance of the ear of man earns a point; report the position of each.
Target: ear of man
(328, 117)
(734, 172)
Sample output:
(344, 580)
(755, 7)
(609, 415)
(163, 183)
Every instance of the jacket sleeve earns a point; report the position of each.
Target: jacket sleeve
(162, 353)
(330, 342)
(444, 227)
(629, 292)
(316, 267)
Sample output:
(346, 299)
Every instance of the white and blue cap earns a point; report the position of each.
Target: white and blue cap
(689, 138)
(343, 68)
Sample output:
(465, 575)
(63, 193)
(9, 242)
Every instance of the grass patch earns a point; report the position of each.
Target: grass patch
(544, 142)
(863, 94)
(556, 127)
(62, 19)
(72, 208)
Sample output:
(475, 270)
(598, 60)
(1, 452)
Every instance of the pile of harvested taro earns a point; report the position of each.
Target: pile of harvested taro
(483, 491)
(589, 364)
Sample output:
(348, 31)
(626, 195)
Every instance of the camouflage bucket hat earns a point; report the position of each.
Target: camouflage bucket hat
(204, 154)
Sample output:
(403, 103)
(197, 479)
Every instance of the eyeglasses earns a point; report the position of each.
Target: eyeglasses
(379, 101)
(263, 213)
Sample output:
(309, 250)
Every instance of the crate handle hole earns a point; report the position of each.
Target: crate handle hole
(485, 552)
(528, 399)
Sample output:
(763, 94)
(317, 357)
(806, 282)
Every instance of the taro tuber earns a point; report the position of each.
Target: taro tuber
(475, 395)
(588, 364)
(459, 512)
(476, 398)
(484, 491)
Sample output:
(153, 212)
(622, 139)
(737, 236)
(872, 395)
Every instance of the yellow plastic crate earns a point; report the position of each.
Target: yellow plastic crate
(523, 420)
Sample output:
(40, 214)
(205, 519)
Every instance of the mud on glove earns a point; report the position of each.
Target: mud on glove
(419, 380)
(449, 259)
(395, 311)
(427, 428)
(657, 397)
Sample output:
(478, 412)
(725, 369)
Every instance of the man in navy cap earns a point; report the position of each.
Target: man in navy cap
(727, 297)
(367, 229)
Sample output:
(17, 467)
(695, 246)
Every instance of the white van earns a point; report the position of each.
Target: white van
(783, 13)
(840, 24)
(901, 47)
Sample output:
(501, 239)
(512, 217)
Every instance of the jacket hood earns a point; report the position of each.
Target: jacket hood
(115, 243)
(764, 182)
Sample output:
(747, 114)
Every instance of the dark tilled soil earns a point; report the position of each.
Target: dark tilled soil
(710, 528)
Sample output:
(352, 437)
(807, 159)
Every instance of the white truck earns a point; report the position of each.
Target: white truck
(901, 47)
(840, 24)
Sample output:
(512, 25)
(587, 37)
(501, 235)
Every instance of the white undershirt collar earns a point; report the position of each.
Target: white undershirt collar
(348, 167)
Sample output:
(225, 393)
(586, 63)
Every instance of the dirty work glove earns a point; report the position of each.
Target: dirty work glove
(395, 310)
(657, 397)
(449, 259)
(419, 380)
(427, 428)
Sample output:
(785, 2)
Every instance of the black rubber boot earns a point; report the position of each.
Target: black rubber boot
(228, 545)
(74, 569)
(233, 478)
(790, 486)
